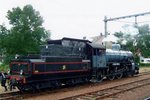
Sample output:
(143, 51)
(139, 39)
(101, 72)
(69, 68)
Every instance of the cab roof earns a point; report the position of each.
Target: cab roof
(96, 46)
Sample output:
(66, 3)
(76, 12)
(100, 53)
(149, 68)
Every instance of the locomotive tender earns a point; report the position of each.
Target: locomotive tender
(70, 61)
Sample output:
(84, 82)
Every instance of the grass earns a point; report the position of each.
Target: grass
(144, 68)
(4, 67)
(145, 65)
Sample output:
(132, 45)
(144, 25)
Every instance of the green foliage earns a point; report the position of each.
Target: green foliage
(143, 40)
(8, 58)
(26, 33)
(119, 34)
(3, 36)
(125, 40)
(4, 67)
(144, 65)
(137, 58)
(144, 29)
(139, 43)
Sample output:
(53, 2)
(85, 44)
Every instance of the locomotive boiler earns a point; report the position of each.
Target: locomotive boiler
(70, 61)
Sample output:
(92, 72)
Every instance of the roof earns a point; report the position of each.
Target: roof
(98, 46)
(54, 42)
(65, 38)
(98, 39)
(73, 39)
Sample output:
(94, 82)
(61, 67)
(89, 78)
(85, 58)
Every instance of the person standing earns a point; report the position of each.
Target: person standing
(3, 80)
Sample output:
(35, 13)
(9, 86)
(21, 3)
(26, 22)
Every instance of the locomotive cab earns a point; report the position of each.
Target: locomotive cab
(97, 55)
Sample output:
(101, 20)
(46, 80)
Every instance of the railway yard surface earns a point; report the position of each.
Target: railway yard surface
(107, 90)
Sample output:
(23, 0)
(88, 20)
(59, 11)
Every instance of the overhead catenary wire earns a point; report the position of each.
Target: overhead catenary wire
(122, 17)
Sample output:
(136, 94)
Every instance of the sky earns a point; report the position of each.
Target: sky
(80, 18)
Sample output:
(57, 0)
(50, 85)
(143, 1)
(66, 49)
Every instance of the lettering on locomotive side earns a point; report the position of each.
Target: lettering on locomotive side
(116, 64)
(36, 71)
(64, 67)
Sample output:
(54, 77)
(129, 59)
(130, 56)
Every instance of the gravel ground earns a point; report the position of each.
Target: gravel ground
(144, 69)
(136, 94)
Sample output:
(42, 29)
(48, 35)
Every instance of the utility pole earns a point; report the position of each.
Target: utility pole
(123, 17)
(105, 27)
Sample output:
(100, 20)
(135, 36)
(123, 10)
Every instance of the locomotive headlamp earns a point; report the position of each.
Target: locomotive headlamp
(21, 72)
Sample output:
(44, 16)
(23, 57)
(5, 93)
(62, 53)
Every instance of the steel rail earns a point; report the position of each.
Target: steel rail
(100, 94)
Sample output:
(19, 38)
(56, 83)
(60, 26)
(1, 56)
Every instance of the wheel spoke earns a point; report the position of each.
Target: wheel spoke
(111, 77)
(119, 76)
(100, 77)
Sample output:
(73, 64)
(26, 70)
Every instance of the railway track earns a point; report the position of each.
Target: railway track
(110, 92)
(93, 95)
(10, 95)
(143, 73)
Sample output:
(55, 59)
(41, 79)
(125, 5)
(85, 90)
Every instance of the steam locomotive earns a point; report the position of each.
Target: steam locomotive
(70, 61)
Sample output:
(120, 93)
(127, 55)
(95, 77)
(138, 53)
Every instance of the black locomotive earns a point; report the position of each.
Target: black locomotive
(70, 61)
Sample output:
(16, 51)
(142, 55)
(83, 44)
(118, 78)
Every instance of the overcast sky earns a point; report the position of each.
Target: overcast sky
(79, 18)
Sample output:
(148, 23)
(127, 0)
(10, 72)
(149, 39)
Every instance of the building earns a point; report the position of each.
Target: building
(107, 41)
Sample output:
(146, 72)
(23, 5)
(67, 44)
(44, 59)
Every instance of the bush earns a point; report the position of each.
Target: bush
(145, 64)
(7, 59)
(4, 67)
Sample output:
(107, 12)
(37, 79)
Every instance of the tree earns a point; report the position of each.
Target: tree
(26, 33)
(143, 40)
(120, 36)
(124, 39)
(139, 42)
(3, 35)
(143, 30)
